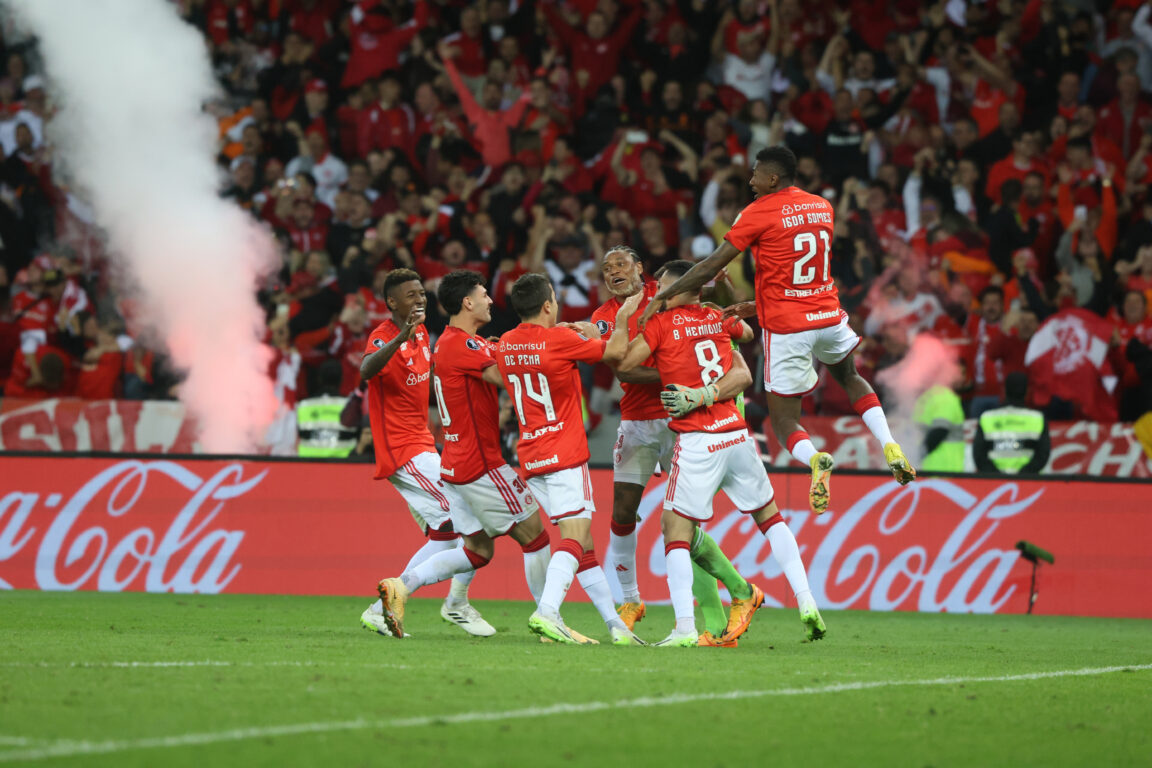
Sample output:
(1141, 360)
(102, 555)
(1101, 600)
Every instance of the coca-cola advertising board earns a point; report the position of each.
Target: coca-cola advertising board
(289, 527)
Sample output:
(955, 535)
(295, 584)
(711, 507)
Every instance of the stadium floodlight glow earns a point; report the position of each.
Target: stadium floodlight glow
(1033, 554)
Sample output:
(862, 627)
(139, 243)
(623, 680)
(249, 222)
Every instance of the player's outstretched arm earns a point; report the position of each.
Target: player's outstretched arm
(374, 363)
(617, 347)
(641, 374)
(694, 279)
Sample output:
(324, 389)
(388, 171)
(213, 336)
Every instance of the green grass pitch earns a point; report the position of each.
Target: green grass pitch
(173, 680)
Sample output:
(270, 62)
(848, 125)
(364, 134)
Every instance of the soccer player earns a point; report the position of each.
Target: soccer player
(538, 360)
(486, 496)
(790, 232)
(643, 441)
(396, 365)
(691, 347)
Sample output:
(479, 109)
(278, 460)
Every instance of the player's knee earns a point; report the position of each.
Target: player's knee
(481, 546)
(625, 503)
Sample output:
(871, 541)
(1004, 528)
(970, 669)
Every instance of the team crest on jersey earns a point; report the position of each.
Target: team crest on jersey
(427, 354)
(602, 326)
(472, 344)
(379, 343)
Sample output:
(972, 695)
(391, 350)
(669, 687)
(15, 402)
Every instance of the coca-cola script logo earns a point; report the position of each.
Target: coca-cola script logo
(76, 549)
(931, 546)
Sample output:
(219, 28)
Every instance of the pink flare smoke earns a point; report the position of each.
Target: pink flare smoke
(131, 78)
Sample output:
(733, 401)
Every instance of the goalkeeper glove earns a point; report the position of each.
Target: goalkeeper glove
(680, 401)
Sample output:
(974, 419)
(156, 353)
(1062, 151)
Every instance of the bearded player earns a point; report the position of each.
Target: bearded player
(396, 366)
(487, 498)
(790, 233)
(643, 442)
(538, 360)
(691, 347)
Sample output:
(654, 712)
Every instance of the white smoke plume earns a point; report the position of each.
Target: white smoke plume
(130, 78)
(929, 362)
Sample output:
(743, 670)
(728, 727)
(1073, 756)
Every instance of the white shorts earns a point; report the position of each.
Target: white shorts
(788, 368)
(419, 483)
(640, 447)
(493, 503)
(565, 494)
(705, 463)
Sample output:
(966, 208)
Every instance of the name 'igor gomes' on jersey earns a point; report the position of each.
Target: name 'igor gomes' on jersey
(790, 233)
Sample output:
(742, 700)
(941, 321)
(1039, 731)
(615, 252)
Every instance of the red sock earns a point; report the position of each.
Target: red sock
(764, 526)
(672, 545)
(478, 561)
(866, 403)
(621, 529)
(538, 543)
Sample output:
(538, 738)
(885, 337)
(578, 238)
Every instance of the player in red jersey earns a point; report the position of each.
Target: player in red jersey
(538, 360)
(790, 233)
(486, 496)
(691, 347)
(643, 442)
(397, 363)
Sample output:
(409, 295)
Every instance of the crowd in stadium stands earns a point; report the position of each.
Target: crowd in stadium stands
(989, 162)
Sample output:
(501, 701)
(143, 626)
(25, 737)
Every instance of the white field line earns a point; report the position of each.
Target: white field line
(74, 748)
(252, 664)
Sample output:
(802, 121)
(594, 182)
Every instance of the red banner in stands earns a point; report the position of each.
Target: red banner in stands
(292, 527)
(127, 426)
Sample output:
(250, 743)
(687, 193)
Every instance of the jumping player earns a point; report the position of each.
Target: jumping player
(537, 360)
(644, 441)
(396, 365)
(486, 497)
(790, 232)
(691, 347)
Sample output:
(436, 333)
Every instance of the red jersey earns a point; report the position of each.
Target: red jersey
(539, 365)
(641, 402)
(790, 233)
(469, 406)
(692, 346)
(398, 399)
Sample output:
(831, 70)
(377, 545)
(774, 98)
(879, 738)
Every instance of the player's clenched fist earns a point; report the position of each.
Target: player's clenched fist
(679, 401)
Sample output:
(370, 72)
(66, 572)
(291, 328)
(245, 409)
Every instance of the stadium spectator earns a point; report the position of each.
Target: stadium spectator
(635, 123)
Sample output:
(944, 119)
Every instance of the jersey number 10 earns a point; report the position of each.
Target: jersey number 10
(806, 241)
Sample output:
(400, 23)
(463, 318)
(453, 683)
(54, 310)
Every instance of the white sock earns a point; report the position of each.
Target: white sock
(440, 567)
(876, 421)
(536, 571)
(458, 592)
(561, 570)
(787, 556)
(804, 450)
(622, 556)
(430, 548)
(595, 585)
(679, 564)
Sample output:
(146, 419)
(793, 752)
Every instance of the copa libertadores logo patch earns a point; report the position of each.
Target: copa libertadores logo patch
(472, 344)
(602, 326)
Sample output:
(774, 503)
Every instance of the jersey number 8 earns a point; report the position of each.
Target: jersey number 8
(711, 368)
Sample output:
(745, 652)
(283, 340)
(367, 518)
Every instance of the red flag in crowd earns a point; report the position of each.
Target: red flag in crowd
(1068, 358)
